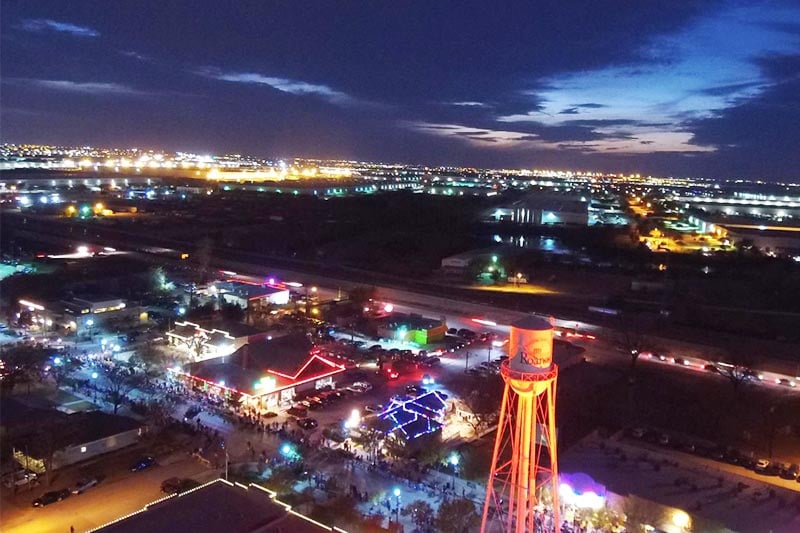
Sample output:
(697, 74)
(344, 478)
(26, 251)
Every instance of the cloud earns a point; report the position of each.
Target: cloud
(136, 55)
(49, 25)
(469, 104)
(285, 85)
(89, 87)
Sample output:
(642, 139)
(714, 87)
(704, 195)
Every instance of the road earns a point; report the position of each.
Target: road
(108, 501)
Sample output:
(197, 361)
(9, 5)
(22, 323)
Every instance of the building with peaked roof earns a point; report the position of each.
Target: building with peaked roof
(213, 338)
(265, 373)
(416, 417)
(214, 507)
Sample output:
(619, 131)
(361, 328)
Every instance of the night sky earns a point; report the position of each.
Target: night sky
(662, 87)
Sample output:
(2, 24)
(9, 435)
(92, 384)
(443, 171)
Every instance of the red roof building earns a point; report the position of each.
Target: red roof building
(266, 373)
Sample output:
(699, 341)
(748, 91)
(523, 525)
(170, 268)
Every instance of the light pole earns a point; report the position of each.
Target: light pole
(396, 493)
(466, 362)
(454, 459)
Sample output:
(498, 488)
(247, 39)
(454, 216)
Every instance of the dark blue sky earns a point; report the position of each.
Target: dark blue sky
(670, 88)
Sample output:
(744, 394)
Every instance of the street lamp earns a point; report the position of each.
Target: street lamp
(453, 460)
(396, 493)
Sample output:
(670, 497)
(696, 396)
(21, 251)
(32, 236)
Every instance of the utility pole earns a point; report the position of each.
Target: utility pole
(466, 362)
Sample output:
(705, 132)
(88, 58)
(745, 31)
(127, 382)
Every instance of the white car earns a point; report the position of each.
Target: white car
(20, 478)
(360, 386)
(84, 484)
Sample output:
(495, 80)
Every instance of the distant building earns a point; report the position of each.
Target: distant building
(250, 295)
(544, 210)
(265, 373)
(412, 328)
(216, 507)
(459, 264)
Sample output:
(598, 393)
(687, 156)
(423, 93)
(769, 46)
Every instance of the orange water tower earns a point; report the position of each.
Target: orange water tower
(523, 481)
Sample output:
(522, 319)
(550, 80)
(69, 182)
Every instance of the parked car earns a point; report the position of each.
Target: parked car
(762, 465)
(307, 423)
(175, 485)
(414, 390)
(790, 471)
(20, 478)
(84, 484)
(374, 408)
(143, 463)
(297, 411)
(52, 496)
(431, 362)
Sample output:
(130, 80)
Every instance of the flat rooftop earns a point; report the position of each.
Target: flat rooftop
(217, 507)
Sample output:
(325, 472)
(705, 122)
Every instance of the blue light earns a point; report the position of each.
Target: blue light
(56, 360)
(94, 375)
(396, 491)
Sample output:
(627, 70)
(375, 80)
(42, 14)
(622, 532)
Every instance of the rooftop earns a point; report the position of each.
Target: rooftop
(409, 321)
(215, 507)
(287, 359)
(247, 290)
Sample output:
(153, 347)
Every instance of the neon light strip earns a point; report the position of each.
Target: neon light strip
(315, 356)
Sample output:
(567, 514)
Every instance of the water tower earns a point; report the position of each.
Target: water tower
(524, 462)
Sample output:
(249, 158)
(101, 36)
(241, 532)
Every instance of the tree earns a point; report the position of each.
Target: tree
(231, 311)
(640, 513)
(457, 516)
(632, 339)
(370, 439)
(122, 380)
(20, 364)
(361, 295)
(738, 368)
(421, 514)
(62, 368)
(396, 445)
(482, 396)
(150, 361)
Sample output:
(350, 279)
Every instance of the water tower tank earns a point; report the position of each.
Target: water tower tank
(530, 345)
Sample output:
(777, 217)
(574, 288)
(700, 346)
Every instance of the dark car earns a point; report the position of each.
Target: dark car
(307, 423)
(143, 463)
(431, 361)
(414, 390)
(789, 472)
(297, 410)
(176, 485)
(51, 497)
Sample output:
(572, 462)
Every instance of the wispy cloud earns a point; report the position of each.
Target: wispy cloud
(47, 25)
(136, 55)
(285, 85)
(87, 87)
(469, 103)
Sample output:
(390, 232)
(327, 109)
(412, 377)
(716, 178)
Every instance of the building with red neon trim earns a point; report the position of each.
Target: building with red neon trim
(266, 373)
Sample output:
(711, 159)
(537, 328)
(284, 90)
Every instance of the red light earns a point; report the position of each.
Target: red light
(40, 255)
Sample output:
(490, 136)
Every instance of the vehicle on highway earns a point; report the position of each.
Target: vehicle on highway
(307, 423)
(637, 433)
(84, 484)
(175, 485)
(52, 496)
(785, 382)
(680, 361)
(143, 463)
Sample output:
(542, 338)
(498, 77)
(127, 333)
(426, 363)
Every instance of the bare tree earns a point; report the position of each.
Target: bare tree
(738, 369)
(631, 337)
(122, 380)
(20, 364)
